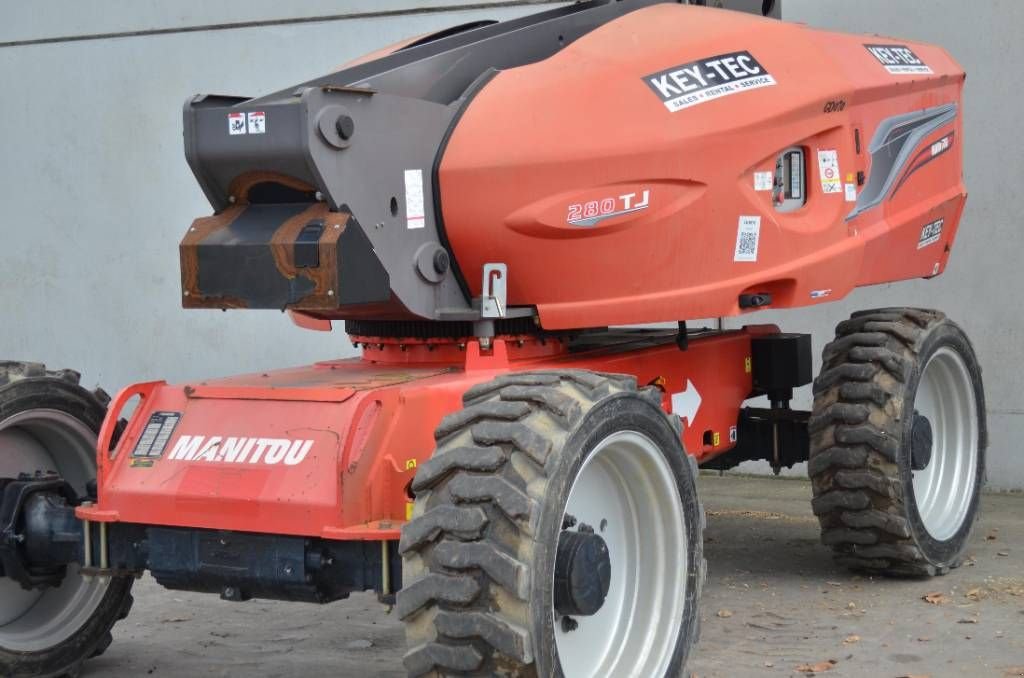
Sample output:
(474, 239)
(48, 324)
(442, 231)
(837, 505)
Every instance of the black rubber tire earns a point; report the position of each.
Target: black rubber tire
(860, 428)
(30, 386)
(479, 551)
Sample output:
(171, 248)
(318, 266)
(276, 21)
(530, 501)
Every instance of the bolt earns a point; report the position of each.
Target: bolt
(330, 293)
(319, 196)
(569, 624)
(186, 293)
(585, 528)
(441, 261)
(231, 199)
(337, 226)
(229, 592)
(288, 569)
(345, 126)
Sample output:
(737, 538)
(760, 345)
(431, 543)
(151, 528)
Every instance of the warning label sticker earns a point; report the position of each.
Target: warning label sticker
(236, 123)
(257, 122)
(828, 169)
(699, 81)
(156, 434)
(764, 181)
(415, 216)
(899, 59)
(748, 235)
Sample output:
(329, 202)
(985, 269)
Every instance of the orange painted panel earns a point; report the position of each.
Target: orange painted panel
(249, 454)
(613, 204)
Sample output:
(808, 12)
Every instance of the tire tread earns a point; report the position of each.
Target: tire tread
(67, 658)
(855, 440)
(483, 630)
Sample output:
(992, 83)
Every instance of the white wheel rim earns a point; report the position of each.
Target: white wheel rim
(47, 440)
(944, 489)
(627, 492)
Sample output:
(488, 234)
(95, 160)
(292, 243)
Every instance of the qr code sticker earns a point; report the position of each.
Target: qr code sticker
(748, 235)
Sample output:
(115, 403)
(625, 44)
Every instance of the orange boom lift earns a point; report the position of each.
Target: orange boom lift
(486, 208)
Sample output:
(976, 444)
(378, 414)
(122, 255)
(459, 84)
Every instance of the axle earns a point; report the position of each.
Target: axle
(334, 541)
(42, 537)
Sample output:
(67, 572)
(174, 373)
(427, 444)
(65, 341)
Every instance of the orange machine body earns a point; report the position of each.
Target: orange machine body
(329, 450)
(619, 185)
(544, 148)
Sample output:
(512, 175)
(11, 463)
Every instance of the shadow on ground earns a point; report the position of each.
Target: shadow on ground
(774, 601)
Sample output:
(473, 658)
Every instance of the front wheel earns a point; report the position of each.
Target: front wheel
(49, 423)
(898, 442)
(556, 532)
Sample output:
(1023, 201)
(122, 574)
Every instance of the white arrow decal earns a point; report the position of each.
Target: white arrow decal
(687, 403)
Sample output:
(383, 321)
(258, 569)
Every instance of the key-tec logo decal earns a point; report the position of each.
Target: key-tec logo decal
(899, 59)
(707, 79)
(232, 450)
(930, 233)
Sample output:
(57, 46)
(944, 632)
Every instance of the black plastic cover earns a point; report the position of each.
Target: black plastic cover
(781, 361)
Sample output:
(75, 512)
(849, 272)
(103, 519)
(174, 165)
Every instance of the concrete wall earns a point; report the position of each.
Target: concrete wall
(94, 189)
(95, 192)
(980, 288)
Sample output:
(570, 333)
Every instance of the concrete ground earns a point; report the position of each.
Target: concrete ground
(774, 602)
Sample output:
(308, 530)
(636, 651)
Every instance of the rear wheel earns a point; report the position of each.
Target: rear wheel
(49, 423)
(898, 442)
(556, 531)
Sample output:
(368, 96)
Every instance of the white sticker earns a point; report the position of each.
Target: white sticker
(851, 192)
(732, 434)
(257, 122)
(899, 59)
(236, 123)
(748, 233)
(764, 181)
(707, 79)
(930, 233)
(828, 168)
(820, 294)
(414, 210)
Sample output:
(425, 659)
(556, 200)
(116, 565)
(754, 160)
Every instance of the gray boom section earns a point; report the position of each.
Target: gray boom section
(369, 139)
